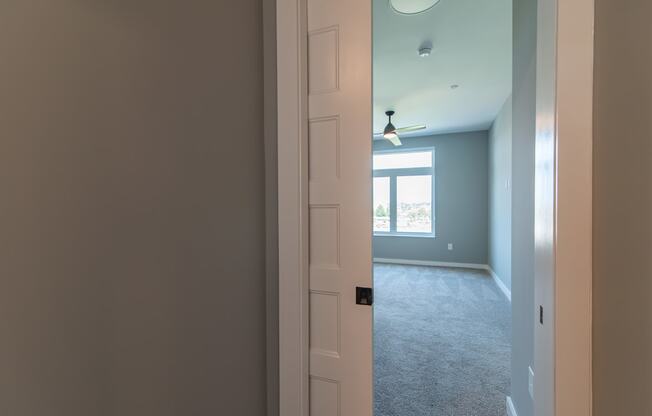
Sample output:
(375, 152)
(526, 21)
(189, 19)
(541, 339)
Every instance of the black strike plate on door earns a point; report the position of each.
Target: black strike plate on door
(364, 296)
(541, 314)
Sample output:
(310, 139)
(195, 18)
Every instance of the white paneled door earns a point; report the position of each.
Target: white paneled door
(340, 172)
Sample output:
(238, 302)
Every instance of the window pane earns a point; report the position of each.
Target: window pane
(400, 160)
(414, 204)
(381, 204)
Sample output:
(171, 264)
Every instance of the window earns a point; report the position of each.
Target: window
(381, 204)
(414, 204)
(403, 192)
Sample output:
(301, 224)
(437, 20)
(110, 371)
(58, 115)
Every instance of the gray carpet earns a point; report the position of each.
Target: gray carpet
(441, 342)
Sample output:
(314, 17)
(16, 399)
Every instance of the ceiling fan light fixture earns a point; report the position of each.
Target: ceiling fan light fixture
(409, 7)
(390, 130)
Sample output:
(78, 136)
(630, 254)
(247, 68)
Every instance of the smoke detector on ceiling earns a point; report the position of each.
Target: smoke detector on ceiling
(425, 49)
(412, 6)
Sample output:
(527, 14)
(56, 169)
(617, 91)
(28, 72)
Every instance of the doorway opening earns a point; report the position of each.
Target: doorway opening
(325, 360)
(442, 207)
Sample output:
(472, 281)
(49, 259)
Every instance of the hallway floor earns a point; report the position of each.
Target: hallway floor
(441, 342)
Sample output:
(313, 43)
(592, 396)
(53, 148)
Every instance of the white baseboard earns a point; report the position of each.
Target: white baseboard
(500, 284)
(486, 267)
(511, 410)
(432, 263)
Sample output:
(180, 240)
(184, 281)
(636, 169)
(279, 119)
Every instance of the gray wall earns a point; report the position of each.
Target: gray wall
(523, 140)
(132, 252)
(500, 194)
(461, 195)
(622, 244)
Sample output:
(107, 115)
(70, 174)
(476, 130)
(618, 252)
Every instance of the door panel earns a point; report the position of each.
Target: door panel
(339, 111)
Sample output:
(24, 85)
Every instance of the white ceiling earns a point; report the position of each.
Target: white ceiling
(472, 47)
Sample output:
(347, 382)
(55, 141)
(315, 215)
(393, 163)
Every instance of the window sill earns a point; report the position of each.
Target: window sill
(404, 235)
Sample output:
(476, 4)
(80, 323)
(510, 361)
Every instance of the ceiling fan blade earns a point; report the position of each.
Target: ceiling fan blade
(395, 140)
(410, 128)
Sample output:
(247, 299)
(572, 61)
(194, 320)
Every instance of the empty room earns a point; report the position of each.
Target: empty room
(442, 85)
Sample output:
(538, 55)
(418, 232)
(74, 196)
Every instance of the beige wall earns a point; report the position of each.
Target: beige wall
(132, 208)
(622, 301)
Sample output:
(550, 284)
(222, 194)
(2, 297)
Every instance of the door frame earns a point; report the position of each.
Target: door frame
(293, 218)
(563, 207)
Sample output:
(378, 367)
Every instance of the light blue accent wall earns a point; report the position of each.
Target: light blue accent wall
(461, 202)
(500, 194)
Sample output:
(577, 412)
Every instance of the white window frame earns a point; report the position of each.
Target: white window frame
(393, 174)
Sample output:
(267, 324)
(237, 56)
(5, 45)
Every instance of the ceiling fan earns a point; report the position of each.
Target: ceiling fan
(391, 132)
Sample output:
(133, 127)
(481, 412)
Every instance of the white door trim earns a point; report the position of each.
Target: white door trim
(563, 219)
(291, 38)
(563, 208)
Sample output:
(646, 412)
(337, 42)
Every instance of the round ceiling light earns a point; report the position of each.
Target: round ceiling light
(412, 6)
